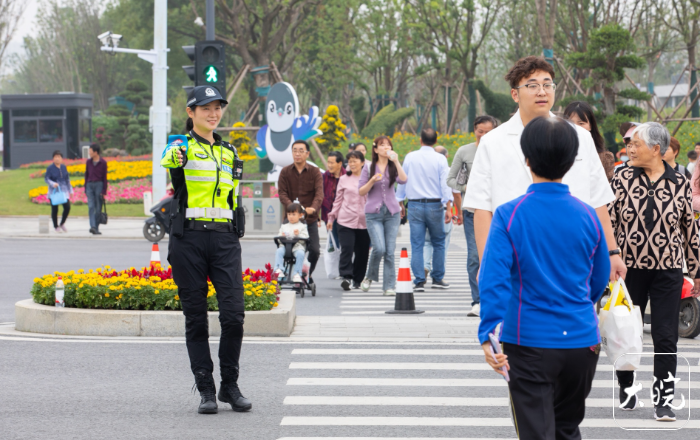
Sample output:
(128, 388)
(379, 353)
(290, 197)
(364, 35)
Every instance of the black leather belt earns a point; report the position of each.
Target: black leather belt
(425, 200)
(194, 225)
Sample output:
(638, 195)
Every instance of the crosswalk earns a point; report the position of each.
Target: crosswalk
(435, 302)
(446, 392)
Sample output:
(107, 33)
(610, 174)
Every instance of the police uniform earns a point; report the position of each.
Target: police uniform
(204, 242)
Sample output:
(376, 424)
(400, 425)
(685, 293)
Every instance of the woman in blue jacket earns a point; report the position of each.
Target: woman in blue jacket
(57, 179)
(545, 265)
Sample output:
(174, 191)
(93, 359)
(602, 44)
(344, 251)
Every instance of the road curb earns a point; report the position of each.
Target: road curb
(36, 318)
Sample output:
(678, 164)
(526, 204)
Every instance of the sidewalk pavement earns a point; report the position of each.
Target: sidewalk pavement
(78, 227)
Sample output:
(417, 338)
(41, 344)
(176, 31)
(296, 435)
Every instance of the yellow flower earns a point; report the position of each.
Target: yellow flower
(275, 304)
(157, 291)
(249, 293)
(106, 295)
(81, 285)
(108, 267)
(177, 297)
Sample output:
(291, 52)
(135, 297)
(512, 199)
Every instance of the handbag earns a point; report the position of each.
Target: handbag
(331, 258)
(621, 329)
(57, 197)
(103, 214)
(462, 174)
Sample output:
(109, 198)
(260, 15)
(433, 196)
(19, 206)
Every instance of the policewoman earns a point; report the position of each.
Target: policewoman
(204, 242)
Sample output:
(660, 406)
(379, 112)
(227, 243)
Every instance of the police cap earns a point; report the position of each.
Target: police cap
(204, 95)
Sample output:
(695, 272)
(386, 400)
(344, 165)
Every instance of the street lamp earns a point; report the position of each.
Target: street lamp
(160, 113)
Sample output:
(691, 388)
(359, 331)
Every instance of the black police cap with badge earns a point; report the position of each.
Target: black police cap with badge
(202, 95)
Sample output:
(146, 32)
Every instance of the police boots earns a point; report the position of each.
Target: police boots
(229, 392)
(204, 382)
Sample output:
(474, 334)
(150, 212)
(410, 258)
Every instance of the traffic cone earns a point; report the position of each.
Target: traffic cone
(404, 304)
(155, 255)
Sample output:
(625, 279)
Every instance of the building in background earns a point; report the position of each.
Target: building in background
(36, 125)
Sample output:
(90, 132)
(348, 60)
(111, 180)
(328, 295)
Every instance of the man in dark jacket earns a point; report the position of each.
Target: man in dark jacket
(303, 182)
(95, 186)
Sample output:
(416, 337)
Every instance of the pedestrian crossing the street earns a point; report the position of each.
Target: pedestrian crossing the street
(435, 302)
(448, 392)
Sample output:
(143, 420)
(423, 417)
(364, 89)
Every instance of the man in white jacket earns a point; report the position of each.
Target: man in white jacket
(499, 173)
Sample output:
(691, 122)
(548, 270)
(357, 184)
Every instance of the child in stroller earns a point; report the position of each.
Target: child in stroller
(291, 231)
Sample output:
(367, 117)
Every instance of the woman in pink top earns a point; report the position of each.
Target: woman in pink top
(348, 216)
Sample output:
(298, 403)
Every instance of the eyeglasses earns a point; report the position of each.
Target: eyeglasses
(298, 151)
(535, 88)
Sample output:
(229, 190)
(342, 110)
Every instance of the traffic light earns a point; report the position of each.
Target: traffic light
(210, 65)
(209, 69)
(190, 70)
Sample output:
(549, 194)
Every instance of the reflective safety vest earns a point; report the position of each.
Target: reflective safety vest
(205, 179)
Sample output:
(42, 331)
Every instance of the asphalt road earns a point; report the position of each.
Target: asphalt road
(109, 388)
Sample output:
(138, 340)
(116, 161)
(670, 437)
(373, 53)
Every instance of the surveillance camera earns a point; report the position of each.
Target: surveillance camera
(104, 38)
(198, 21)
(116, 38)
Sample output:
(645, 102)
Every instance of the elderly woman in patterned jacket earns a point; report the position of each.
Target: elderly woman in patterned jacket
(652, 217)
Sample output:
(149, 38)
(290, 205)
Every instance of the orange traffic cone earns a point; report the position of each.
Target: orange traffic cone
(155, 255)
(404, 304)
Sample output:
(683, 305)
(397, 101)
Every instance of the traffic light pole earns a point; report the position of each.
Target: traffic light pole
(158, 123)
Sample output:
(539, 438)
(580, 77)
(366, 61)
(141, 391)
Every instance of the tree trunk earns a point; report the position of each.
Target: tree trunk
(472, 106)
(693, 81)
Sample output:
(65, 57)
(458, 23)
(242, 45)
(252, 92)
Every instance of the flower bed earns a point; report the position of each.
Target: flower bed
(145, 289)
(127, 191)
(127, 183)
(69, 162)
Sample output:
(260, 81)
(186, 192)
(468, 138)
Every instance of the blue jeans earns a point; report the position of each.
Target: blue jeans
(472, 255)
(383, 229)
(428, 249)
(429, 217)
(298, 265)
(93, 191)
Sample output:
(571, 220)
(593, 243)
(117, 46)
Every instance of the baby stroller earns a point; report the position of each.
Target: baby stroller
(289, 260)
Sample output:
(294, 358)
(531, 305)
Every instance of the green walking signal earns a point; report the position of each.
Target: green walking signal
(211, 74)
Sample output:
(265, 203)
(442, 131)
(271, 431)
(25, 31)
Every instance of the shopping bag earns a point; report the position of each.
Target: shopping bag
(57, 197)
(621, 329)
(331, 258)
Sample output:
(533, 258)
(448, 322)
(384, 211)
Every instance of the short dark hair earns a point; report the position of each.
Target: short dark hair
(525, 67)
(550, 144)
(428, 137)
(692, 155)
(337, 155)
(354, 155)
(696, 144)
(95, 147)
(299, 141)
(56, 153)
(484, 119)
(585, 112)
(295, 207)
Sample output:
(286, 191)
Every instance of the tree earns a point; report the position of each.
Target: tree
(385, 121)
(452, 27)
(685, 19)
(610, 50)
(546, 25)
(498, 105)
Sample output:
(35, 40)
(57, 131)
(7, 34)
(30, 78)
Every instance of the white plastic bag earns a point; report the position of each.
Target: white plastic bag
(331, 258)
(621, 330)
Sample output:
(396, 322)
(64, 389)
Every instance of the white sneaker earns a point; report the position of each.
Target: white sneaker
(297, 278)
(366, 283)
(279, 273)
(389, 292)
(475, 310)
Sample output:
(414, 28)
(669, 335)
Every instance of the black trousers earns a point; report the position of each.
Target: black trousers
(353, 241)
(217, 255)
(663, 288)
(314, 246)
(64, 216)
(548, 389)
